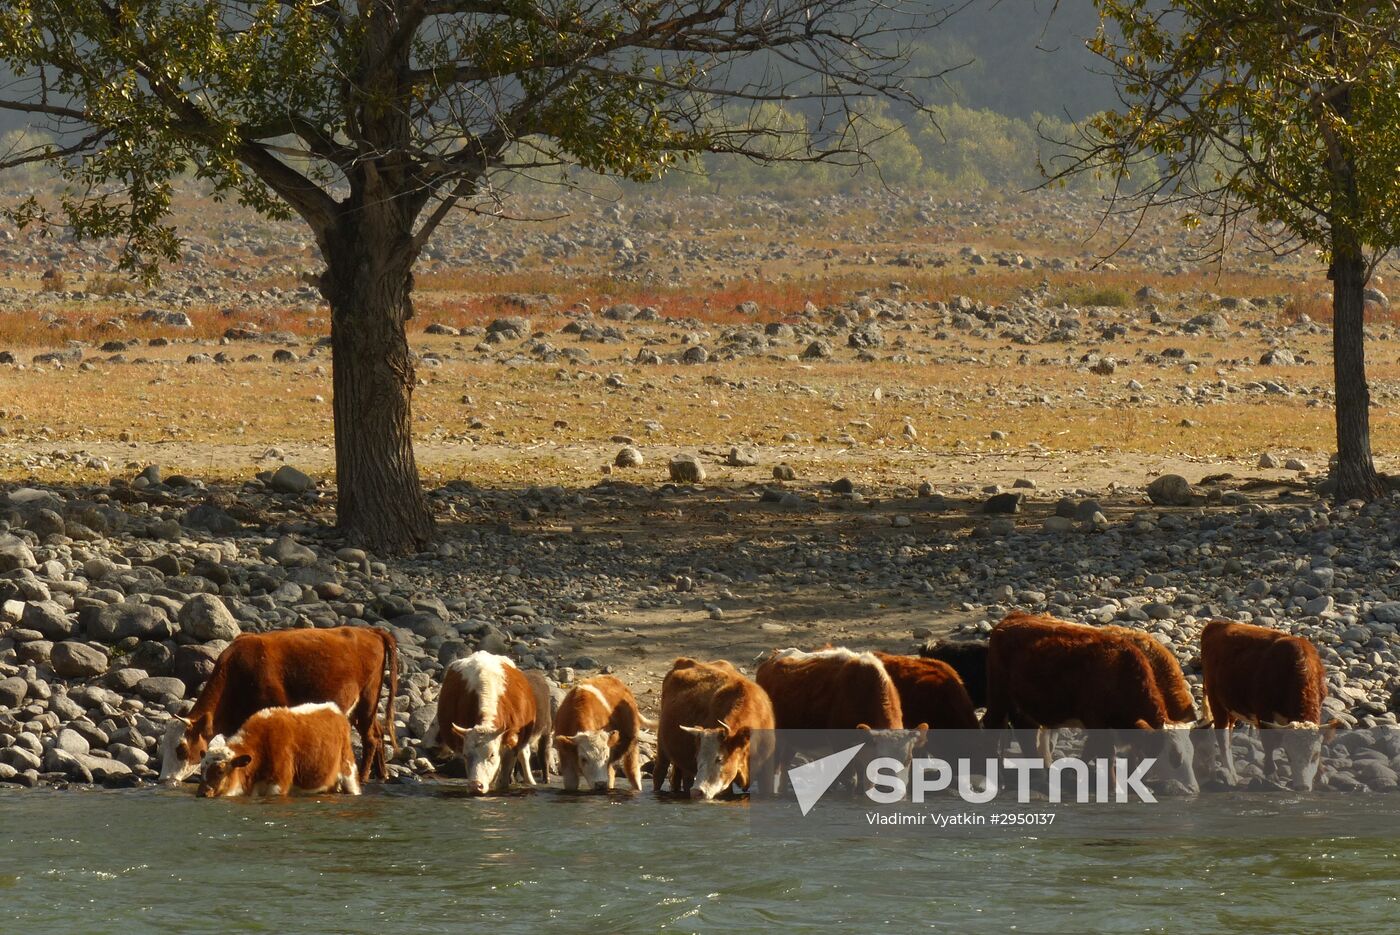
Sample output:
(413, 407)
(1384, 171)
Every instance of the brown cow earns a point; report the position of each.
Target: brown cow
(486, 713)
(1166, 671)
(342, 665)
(838, 689)
(706, 740)
(930, 692)
(830, 689)
(596, 731)
(1051, 674)
(1277, 683)
(280, 750)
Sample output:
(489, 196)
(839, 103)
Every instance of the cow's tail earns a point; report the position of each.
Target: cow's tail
(391, 658)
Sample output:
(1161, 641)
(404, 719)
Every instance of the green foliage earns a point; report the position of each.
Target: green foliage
(1284, 108)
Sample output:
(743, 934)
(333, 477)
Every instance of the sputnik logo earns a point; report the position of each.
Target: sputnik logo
(811, 780)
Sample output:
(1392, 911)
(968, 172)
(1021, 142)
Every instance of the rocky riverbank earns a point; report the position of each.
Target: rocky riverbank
(116, 599)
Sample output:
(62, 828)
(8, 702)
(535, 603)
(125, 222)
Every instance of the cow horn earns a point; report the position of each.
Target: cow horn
(183, 720)
(459, 731)
(692, 730)
(727, 728)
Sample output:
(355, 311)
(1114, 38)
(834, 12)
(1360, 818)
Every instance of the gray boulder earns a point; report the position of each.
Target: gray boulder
(15, 554)
(13, 691)
(687, 469)
(115, 622)
(205, 617)
(48, 618)
(1171, 490)
(288, 479)
(74, 660)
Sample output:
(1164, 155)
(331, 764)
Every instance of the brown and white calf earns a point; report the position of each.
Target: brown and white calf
(486, 714)
(715, 729)
(344, 666)
(595, 732)
(838, 689)
(278, 751)
(1048, 673)
(1275, 682)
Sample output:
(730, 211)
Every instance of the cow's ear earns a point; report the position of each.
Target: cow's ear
(922, 731)
(862, 727)
(1329, 730)
(613, 738)
(240, 761)
(740, 736)
(508, 739)
(1142, 725)
(562, 743)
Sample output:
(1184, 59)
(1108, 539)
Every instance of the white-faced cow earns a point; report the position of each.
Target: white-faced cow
(486, 714)
(715, 729)
(283, 750)
(595, 732)
(344, 666)
(1274, 681)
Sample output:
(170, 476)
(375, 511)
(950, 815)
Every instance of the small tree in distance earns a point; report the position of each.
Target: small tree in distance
(1279, 116)
(372, 120)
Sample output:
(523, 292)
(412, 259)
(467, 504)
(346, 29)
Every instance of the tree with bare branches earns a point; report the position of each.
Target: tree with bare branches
(1277, 118)
(372, 120)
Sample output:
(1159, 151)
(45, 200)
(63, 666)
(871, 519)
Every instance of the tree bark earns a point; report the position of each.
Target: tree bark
(1356, 472)
(368, 282)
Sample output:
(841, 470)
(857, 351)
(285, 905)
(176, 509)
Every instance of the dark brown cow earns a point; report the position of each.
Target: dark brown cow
(1166, 670)
(1053, 674)
(1274, 681)
(486, 714)
(706, 740)
(969, 659)
(930, 692)
(281, 750)
(342, 665)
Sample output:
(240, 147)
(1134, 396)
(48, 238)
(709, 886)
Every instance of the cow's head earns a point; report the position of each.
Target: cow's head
(1302, 744)
(222, 770)
(481, 753)
(1174, 746)
(722, 756)
(182, 747)
(594, 751)
(891, 743)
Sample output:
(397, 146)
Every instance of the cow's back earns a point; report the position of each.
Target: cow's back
(1055, 674)
(1166, 672)
(830, 690)
(930, 692)
(1262, 674)
(286, 668)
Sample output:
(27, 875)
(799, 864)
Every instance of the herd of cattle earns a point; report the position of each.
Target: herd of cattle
(276, 713)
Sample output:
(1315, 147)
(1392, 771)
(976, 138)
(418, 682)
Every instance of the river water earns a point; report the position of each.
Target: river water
(427, 860)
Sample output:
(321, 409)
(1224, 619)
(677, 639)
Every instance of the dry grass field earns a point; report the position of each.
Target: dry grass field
(503, 419)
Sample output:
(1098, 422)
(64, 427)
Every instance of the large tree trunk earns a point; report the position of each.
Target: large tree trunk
(368, 283)
(1356, 472)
